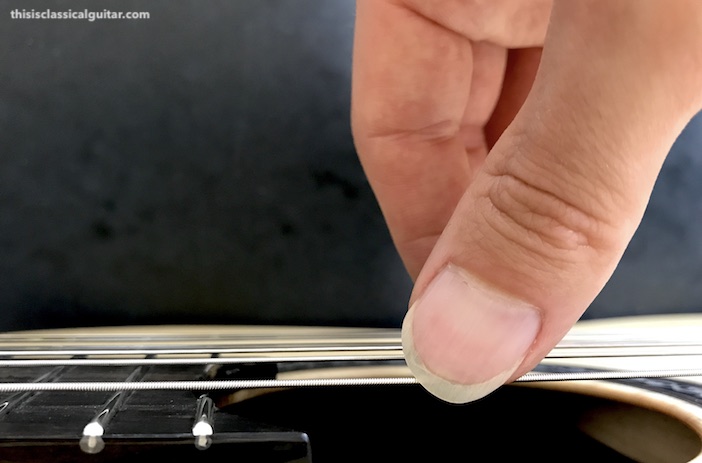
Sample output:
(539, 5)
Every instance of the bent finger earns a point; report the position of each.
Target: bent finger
(544, 224)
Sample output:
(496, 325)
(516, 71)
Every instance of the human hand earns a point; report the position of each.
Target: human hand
(512, 194)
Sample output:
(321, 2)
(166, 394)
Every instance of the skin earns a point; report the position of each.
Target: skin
(519, 142)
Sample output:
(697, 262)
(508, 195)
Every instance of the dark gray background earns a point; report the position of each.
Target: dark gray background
(198, 167)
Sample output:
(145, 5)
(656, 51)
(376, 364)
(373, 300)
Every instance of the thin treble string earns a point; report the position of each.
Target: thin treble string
(583, 349)
(66, 345)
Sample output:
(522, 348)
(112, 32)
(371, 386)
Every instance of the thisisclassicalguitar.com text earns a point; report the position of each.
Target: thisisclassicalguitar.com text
(88, 15)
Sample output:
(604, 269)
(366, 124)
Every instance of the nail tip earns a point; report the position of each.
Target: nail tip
(472, 337)
(441, 388)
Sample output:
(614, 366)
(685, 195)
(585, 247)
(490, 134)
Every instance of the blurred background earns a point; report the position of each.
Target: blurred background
(198, 167)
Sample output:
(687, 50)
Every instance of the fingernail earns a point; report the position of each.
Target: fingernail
(463, 339)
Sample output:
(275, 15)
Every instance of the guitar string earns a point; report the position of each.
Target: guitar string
(126, 357)
(569, 346)
(562, 349)
(215, 385)
(22, 351)
(533, 376)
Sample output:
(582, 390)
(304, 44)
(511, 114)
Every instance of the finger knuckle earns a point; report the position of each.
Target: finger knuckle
(538, 220)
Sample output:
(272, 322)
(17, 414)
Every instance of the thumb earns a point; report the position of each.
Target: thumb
(545, 222)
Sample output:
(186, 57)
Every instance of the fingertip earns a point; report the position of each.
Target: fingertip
(462, 340)
(442, 388)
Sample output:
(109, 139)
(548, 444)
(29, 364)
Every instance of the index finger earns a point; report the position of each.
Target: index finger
(411, 83)
(427, 76)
